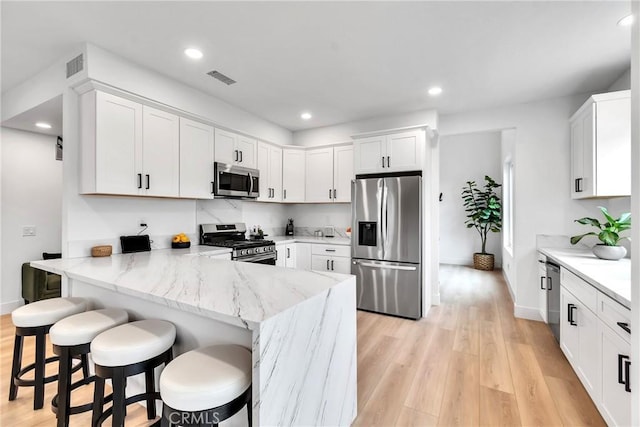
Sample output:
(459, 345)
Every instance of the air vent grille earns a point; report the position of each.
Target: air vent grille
(224, 79)
(75, 65)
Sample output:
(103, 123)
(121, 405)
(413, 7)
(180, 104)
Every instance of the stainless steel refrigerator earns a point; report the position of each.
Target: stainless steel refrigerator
(386, 244)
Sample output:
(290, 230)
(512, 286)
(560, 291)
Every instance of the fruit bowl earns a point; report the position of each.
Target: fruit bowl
(180, 245)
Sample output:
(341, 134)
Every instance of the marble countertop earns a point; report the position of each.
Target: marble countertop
(342, 241)
(238, 293)
(613, 278)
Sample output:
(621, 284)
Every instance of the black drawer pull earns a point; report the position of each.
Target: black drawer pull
(570, 319)
(139, 180)
(623, 373)
(627, 368)
(624, 326)
(542, 282)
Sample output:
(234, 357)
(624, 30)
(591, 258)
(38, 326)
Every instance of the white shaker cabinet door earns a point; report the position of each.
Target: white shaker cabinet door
(319, 169)
(196, 159)
(275, 173)
(342, 173)
(303, 256)
(370, 154)
(246, 149)
(293, 175)
(616, 369)
(263, 166)
(160, 153)
(225, 146)
(341, 265)
(404, 152)
(117, 145)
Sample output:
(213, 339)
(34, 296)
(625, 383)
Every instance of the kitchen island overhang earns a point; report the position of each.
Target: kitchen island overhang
(300, 325)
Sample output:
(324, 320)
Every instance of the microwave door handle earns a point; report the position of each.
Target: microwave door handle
(250, 184)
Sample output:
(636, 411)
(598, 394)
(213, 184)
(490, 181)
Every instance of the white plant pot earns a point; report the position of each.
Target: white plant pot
(612, 253)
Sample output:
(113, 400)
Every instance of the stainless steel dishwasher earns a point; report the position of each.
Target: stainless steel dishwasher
(553, 298)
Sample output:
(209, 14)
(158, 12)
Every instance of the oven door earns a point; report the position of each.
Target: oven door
(236, 181)
(268, 258)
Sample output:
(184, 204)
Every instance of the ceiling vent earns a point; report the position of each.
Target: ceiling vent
(224, 79)
(75, 65)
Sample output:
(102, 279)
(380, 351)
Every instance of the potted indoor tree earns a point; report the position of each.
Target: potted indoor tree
(608, 233)
(484, 213)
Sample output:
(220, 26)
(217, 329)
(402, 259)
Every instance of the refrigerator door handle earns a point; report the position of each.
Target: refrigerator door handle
(383, 218)
(388, 267)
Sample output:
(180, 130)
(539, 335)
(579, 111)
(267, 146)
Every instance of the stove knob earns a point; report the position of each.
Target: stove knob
(243, 251)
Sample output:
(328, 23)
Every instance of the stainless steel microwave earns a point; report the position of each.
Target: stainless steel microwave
(236, 181)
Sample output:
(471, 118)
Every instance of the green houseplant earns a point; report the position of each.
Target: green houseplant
(608, 233)
(484, 213)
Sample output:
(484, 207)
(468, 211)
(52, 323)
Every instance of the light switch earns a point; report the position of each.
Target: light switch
(29, 230)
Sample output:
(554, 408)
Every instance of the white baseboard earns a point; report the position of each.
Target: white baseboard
(8, 307)
(465, 261)
(528, 313)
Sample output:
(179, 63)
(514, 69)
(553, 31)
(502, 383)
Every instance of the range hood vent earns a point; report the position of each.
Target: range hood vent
(224, 79)
(75, 65)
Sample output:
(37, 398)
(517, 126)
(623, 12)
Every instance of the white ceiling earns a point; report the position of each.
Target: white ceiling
(342, 61)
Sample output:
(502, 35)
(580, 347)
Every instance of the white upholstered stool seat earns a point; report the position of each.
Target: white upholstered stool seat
(133, 342)
(47, 312)
(82, 328)
(206, 378)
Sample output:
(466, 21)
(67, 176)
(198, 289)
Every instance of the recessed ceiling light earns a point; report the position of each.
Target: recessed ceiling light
(43, 125)
(193, 53)
(626, 21)
(435, 91)
(305, 116)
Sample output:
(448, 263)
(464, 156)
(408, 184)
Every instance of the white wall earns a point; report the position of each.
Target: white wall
(622, 83)
(467, 157)
(31, 195)
(344, 131)
(543, 203)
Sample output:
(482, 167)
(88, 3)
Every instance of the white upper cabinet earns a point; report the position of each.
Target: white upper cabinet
(601, 147)
(394, 152)
(331, 172)
(111, 144)
(235, 149)
(128, 148)
(293, 175)
(196, 160)
(269, 162)
(342, 173)
(160, 153)
(319, 186)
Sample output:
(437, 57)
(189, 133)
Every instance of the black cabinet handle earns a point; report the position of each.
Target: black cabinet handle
(624, 326)
(383, 161)
(571, 320)
(328, 265)
(334, 193)
(139, 180)
(329, 194)
(627, 368)
(550, 282)
(241, 156)
(579, 185)
(235, 153)
(331, 265)
(284, 193)
(388, 161)
(623, 373)
(288, 252)
(148, 181)
(213, 190)
(329, 250)
(542, 282)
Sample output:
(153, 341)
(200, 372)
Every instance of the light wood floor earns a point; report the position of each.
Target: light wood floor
(469, 363)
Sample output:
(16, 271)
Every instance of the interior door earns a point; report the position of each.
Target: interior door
(401, 224)
(367, 233)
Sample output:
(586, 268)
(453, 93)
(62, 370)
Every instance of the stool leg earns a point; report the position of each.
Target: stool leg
(150, 387)
(85, 365)
(16, 366)
(64, 387)
(38, 393)
(250, 412)
(118, 398)
(98, 400)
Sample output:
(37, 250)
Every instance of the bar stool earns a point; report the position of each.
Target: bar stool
(206, 386)
(124, 351)
(71, 337)
(36, 319)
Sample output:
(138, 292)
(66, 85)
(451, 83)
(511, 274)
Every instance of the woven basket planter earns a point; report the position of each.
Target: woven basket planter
(483, 261)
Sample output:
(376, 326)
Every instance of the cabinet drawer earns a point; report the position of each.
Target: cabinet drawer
(332, 250)
(615, 315)
(586, 293)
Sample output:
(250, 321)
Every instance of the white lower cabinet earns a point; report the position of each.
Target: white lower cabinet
(334, 258)
(294, 255)
(303, 256)
(598, 354)
(616, 389)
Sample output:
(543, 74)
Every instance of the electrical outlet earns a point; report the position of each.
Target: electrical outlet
(29, 230)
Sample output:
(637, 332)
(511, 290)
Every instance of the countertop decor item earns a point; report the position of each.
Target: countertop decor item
(101, 250)
(180, 241)
(608, 233)
(484, 213)
(289, 228)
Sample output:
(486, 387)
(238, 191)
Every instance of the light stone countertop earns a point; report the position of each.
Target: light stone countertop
(342, 241)
(613, 278)
(239, 293)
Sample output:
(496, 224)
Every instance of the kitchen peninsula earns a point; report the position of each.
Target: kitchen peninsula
(300, 325)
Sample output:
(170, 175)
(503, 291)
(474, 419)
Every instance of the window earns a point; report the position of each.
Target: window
(507, 206)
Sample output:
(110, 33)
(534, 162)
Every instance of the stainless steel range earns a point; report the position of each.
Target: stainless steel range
(233, 236)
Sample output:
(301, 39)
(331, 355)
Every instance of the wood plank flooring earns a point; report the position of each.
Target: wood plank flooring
(469, 363)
